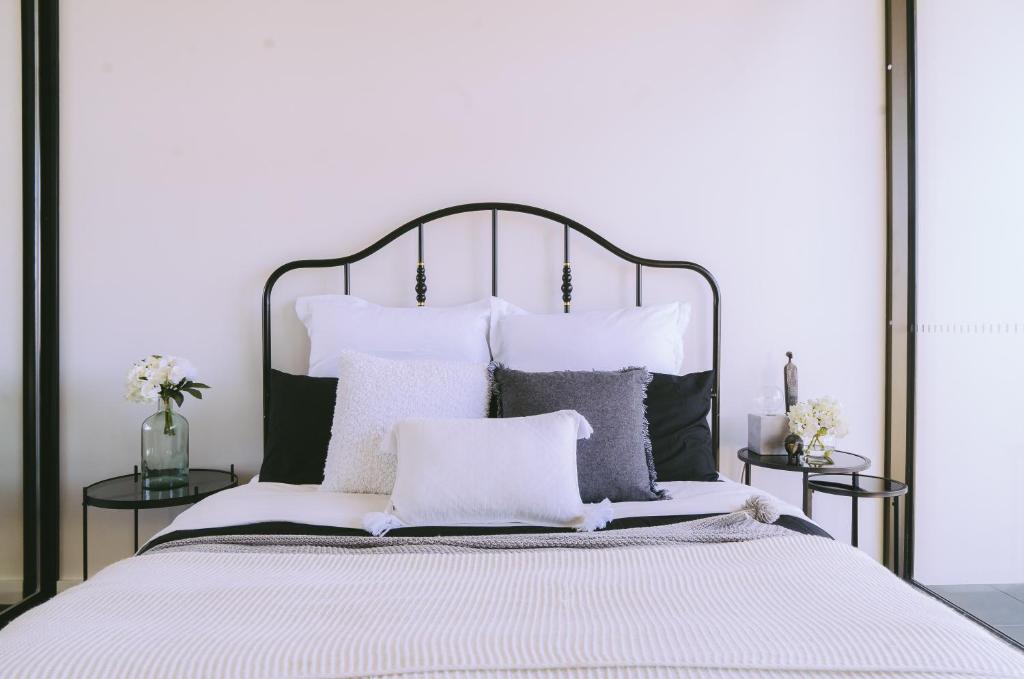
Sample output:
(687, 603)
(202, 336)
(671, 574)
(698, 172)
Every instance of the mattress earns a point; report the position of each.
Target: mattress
(269, 580)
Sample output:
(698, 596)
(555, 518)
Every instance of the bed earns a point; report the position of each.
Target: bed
(715, 579)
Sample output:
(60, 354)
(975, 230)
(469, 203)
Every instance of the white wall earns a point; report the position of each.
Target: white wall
(10, 302)
(969, 453)
(204, 143)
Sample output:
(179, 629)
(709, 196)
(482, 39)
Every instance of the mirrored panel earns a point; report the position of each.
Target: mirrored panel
(12, 576)
(969, 467)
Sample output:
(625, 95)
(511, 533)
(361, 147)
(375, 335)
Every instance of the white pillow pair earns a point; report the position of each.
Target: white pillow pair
(419, 430)
(595, 340)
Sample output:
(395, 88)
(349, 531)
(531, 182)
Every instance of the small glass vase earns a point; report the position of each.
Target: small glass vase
(818, 452)
(164, 449)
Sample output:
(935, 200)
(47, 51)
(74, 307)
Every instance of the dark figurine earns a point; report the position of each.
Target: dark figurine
(790, 380)
(794, 446)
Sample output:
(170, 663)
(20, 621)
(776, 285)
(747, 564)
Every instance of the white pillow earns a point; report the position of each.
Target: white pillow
(489, 471)
(337, 322)
(373, 394)
(651, 337)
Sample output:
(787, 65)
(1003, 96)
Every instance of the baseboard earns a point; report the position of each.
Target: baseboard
(67, 583)
(10, 591)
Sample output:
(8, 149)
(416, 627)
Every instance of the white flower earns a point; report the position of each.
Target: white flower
(807, 418)
(150, 392)
(180, 369)
(802, 421)
(159, 376)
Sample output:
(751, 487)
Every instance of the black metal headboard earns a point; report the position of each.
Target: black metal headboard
(494, 208)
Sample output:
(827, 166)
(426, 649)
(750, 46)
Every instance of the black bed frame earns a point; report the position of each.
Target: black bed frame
(420, 287)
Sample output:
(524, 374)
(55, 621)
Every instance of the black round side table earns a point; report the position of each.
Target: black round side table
(126, 492)
(842, 463)
(857, 486)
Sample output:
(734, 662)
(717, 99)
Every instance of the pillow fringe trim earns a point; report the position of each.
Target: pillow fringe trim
(652, 470)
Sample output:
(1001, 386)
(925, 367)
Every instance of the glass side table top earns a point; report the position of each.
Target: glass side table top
(126, 492)
(857, 485)
(843, 462)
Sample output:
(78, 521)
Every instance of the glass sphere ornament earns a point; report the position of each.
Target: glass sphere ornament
(769, 401)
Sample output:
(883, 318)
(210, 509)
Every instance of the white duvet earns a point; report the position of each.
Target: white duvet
(789, 606)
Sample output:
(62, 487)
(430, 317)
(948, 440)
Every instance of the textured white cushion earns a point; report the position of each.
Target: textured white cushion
(650, 336)
(339, 322)
(373, 394)
(487, 471)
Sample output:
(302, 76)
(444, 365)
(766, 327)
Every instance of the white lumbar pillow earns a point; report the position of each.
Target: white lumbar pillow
(650, 336)
(373, 394)
(339, 322)
(489, 471)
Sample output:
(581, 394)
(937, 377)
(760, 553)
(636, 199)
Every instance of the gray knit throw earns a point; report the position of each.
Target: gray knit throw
(747, 524)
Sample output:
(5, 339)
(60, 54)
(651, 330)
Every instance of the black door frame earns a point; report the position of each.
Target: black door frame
(900, 115)
(40, 297)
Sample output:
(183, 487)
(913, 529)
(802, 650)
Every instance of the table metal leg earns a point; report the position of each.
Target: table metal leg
(853, 525)
(746, 473)
(807, 497)
(855, 533)
(896, 535)
(136, 512)
(85, 538)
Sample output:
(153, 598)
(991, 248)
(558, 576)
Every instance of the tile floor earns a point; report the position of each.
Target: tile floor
(1001, 606)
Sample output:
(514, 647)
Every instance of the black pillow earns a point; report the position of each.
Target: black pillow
(677, 411)
(301, 415)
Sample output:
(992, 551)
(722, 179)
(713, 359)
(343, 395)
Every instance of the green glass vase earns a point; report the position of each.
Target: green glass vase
(164, 449)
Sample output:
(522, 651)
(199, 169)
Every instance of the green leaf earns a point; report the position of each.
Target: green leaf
(195, 392)
(178, 398)
(199, 385)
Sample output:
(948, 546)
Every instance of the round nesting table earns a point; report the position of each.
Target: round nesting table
(842, 463)
(856, 486)
(127, 492)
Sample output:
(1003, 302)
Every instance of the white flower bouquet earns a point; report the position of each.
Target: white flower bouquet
(816, 419)
(163, 378)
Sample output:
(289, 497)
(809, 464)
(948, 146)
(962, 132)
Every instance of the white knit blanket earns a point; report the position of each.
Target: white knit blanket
(785, 606)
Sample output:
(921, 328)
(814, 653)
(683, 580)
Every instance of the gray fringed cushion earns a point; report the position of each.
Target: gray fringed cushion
(616, 461)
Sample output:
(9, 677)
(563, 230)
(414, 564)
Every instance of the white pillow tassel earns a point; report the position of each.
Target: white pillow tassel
(585, 429)
(761, 508)
(596, 516)
(379, 523)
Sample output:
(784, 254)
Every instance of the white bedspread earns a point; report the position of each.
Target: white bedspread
(689, 610)
(792, 606)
